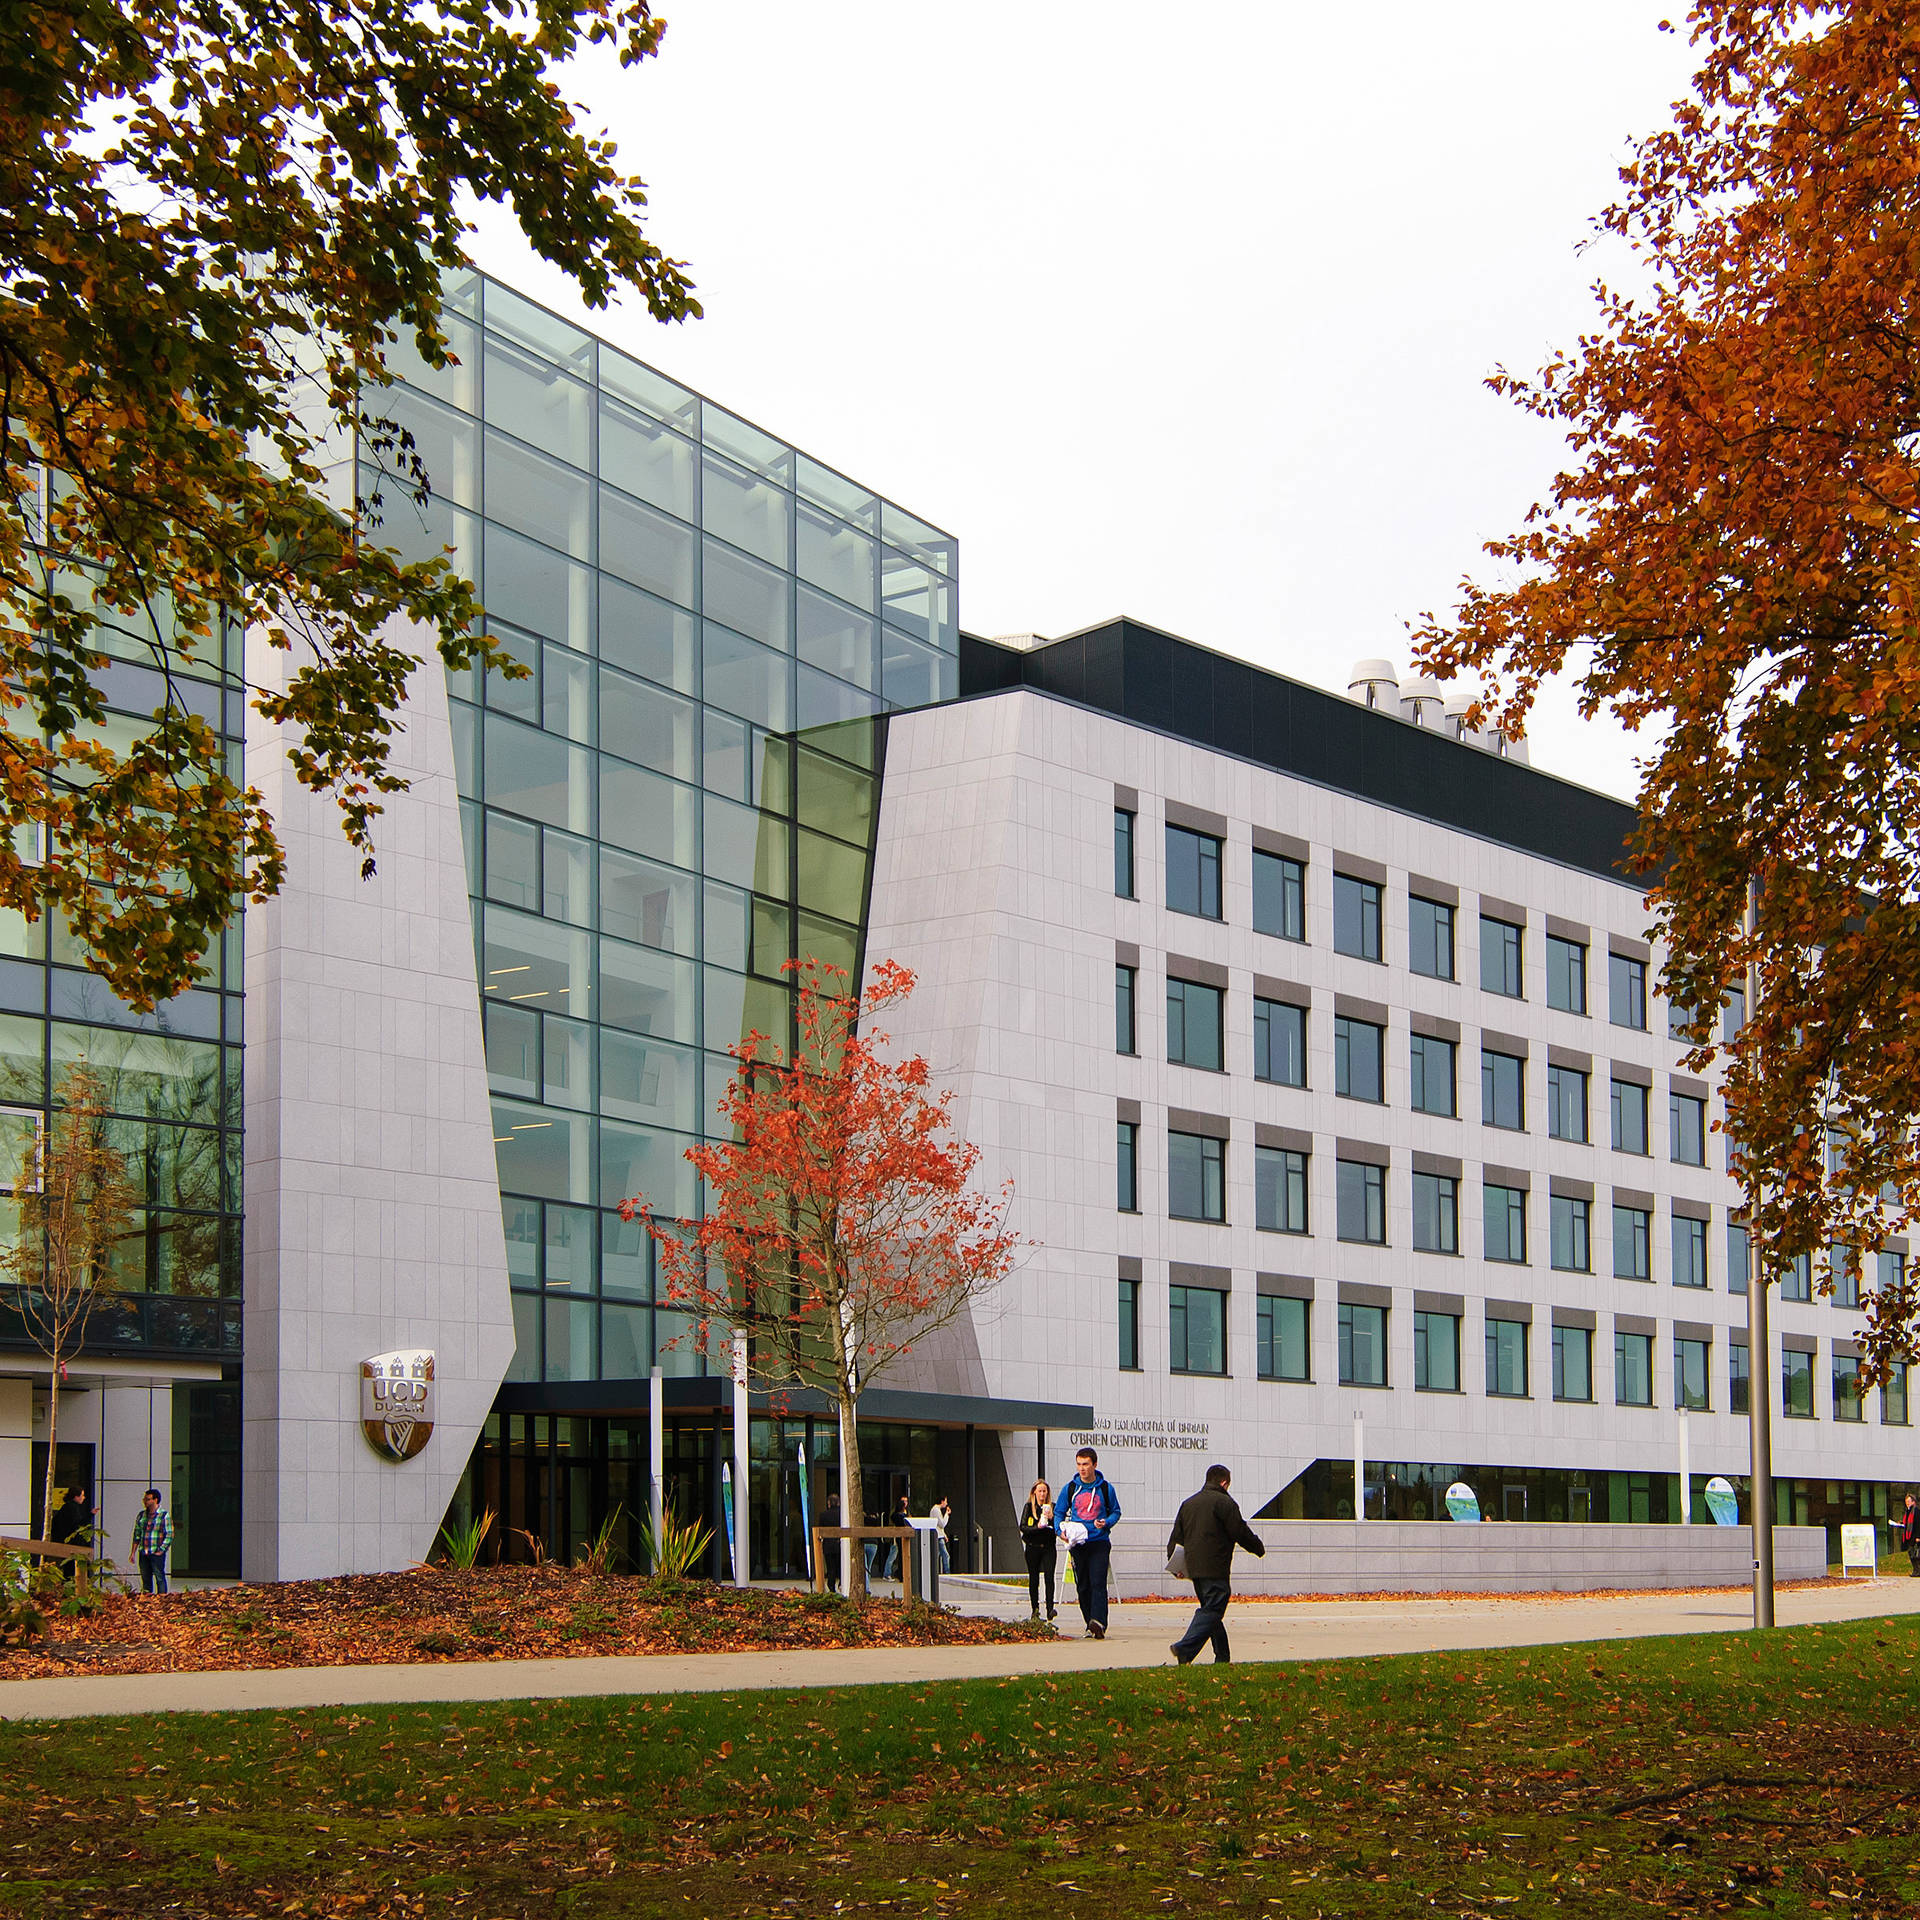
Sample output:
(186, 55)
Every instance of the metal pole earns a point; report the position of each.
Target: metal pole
(657, 1454)
(1759, 1347)
(1686, 1471)
(1359, 1467)
(742, 1495)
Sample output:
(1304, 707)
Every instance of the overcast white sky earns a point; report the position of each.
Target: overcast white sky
(1176, 312)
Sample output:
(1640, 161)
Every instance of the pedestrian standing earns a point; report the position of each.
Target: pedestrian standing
(898, 1560)
(1089, 1505)
(1910, 1535)
(941, 1514)
(1042, 1543)
(1208, 1527)
(152, 1537)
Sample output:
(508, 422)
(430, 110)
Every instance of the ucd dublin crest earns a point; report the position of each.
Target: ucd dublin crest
(396, 1402)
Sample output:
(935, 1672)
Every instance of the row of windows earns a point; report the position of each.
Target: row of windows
(1283, 1350)
(1193, 867)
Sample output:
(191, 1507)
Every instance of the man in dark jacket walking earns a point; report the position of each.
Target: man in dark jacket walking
(1209, 1527)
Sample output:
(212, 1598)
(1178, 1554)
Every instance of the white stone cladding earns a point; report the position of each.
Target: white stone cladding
(993, 881)
(372, 1202)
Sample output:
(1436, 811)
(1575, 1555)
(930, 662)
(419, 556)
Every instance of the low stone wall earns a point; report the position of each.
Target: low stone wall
(1429, 1556)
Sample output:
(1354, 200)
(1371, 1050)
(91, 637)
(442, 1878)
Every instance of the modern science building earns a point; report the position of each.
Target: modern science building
(1323, 1045)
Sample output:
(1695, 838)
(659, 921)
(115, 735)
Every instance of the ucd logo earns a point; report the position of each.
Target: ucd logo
(396, 1402)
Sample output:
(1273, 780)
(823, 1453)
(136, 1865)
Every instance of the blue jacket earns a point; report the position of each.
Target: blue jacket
(1097, 1505)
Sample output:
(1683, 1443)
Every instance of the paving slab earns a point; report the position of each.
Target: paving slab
(1138, 1636)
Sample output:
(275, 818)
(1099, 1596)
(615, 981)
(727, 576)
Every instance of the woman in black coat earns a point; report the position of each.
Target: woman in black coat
(1042, 1544)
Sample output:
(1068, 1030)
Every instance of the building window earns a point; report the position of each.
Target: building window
(1129, 1326)
(1128, 1160)
(1687, 1119)
(1193, 873)
(1893, 1397)
(1436, 1353)
(1739, 1258)
(1629, 1117)
(1679, 1019)
(1279, 896)
(1566, 975)
(1433, 1076)
(1572, 1234)
(1796, 1385)
(1632, 1243)
(1356, 917)
(1363, 1346)
(1689, 1252)
(1196, 1177)
(1626, 991)
(1430, 938)
(1123, 853)
(1739, 1390)
(1196, 1330)
(1360, 1202)
(1359, 1048)
(1436, 1213)
(1796, 1278)
(1507, 1359)
(1506, 1212)
(1690, 1375)
(1500, 957)
(1280, 1328)
(1503, 1090)
(1125, 1039)
(1279, 1190)
(1893, 1269)
(1572, 1363)
(1279, 1043)
(1566, 1104)
(1633, 1369)
(1847, 1403)
(1844, 1271)
(1195, 1025)
(1734, 1017)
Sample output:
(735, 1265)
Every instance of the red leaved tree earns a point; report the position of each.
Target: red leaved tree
(842, 1223)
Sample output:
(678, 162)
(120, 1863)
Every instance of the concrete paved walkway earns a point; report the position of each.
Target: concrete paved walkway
(1138, 1637)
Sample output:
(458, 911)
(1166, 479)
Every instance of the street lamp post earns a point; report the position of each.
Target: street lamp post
(1759, 1347)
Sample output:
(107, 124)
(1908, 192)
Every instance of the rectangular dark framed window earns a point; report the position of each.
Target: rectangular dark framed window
(1739, 1258)
(1843, 1269)
(1193, 873)
(1280, 1328)
(1739, 1380)
(1892, 1264)
(1359, 1063)
(1507, 1359)
(1566, 975)
(1629, 1101)
(1627, 991)
(1500, 957)
(1566, 1104)
(1125, 1036)
(1279, 1043)
(1848, 1402)
(1796, 1278)
(1127, 1164)
(1123, 824)
(1196, 1177)
(1436, 1352)
(1436, 1213)
(1506, 1219)
(1572, 1363)
(1690, 1374)
(1679, 1019)
(1503, 1100)
(1279, 1190)
(1687, 1137)
(1429, 937)
(1433, 1076)
(1279, 896)
(1363, 1346)
(1571, 1233)
(1129, 1326)
(1689, 1252)
(1895, 1409)
(1632, 1243)
(1360, 1202)
(1196, 1025)
(1196, 1330)
(1733, 1016)
(1633, 1369)
(1356, 917)
(1796, 1385)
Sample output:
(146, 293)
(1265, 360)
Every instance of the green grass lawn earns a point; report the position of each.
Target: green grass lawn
(1710, 1773)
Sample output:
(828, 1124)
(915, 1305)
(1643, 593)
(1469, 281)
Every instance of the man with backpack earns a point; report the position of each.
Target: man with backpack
(1084, 1515)
(1206, 1530)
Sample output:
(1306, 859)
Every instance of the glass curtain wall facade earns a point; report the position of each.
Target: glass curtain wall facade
(678, 797)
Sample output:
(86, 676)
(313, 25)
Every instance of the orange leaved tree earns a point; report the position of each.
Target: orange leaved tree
(842, 1223)
(1732, 557)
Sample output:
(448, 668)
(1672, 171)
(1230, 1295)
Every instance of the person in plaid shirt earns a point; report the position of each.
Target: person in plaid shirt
(152, 1537)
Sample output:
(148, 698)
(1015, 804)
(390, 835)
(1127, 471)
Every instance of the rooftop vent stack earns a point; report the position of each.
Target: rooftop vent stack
(1517, 750)
(1021, 642)
(1422, 703)
(1375, 684)
(1454, 718)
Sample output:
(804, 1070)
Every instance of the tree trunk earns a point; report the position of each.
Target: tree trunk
(856, 1516)
(53, 1434)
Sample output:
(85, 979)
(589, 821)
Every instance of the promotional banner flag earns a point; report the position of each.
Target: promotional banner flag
(806, 1512)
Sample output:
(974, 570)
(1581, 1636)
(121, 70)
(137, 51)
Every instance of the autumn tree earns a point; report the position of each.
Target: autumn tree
(842, 1224)
(76, 1205)
(1732, 559)
(214, 217)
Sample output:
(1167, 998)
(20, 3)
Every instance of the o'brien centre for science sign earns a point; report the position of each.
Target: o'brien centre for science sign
(1144, 1436)
(396, 1402)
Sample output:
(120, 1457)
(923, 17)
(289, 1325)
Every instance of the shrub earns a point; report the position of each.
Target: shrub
(676, 1548)
(462, 1545)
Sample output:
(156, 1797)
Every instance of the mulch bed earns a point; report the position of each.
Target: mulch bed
(490, 1613)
